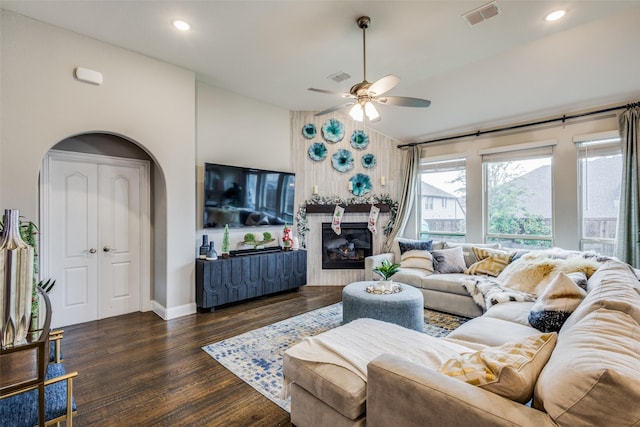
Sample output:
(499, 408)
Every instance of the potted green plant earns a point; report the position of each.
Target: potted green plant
(225, 242)
(386, 270)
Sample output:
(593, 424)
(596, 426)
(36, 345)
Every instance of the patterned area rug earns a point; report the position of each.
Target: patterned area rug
(256, 356)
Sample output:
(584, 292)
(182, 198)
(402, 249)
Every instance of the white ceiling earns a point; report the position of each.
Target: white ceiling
(510, 68)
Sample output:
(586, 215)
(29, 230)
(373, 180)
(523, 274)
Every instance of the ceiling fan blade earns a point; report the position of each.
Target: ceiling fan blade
(331, 92)
(384, 84)
(404, 101)
(334, 108)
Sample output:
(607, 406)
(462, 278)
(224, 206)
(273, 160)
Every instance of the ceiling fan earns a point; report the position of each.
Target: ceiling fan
(364, 94)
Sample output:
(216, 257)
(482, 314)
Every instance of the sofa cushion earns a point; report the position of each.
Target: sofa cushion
(614, 286)
(416, 258)
(469, 256)
(450, 283)
(336, 386)
(592, 377)
(516, 312)
(490, 262)
(509, 370)
(411, 276)
(556, 303)
(449, 260)
(491, 331)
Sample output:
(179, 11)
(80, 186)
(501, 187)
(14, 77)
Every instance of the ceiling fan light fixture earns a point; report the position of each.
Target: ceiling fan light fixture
(357, 113)
(371, 111)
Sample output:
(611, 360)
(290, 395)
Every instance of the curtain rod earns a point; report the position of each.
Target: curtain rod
(523, 125)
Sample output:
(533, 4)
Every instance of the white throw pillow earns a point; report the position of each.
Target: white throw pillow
(417, 259)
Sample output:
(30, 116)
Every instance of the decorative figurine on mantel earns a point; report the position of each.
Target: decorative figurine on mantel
(287, 240)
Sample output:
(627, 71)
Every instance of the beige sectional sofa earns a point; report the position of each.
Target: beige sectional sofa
(442, 292)
(588, 374)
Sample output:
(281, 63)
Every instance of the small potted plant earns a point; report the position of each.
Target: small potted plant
(225, 242)
(386, 270)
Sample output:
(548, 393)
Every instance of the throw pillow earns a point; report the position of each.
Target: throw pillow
(469, 257)
(556, 303)
(491, 261)
(409, 245)
(449, 260)
(579, 278)
(510, 370)
(417, 259)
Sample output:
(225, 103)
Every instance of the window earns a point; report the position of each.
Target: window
(443, 193)
(428, 203)
(518, 197)
(599, 180)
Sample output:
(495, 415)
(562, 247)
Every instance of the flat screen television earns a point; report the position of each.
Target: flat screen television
(247, 197)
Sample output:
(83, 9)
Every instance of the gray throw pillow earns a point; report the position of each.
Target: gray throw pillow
(449, 260)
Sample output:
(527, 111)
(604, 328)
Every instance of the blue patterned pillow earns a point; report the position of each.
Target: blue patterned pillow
(411, 245)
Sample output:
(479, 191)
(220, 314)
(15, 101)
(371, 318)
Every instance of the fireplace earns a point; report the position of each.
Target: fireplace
(347, 250)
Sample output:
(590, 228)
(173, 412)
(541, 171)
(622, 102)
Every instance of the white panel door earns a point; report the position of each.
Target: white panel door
(74, 239)
(94, 238)
(119, 214)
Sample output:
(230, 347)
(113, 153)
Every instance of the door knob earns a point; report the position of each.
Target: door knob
(108, 249)
(92, 251)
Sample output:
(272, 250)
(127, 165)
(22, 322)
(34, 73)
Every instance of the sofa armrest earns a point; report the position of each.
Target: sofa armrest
(403, 393)
(373, 261)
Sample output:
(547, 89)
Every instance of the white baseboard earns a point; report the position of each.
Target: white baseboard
(173, 312)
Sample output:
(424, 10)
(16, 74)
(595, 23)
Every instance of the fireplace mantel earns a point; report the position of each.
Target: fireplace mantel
(348, 208)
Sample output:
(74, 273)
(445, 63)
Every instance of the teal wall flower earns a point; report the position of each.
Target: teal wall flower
(309, 131)
(317, 151)
(368, 161)
(342, 160)
(359, 140)
(333, 130)
(360, 184)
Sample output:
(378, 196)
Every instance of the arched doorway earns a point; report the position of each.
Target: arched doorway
(96, 216)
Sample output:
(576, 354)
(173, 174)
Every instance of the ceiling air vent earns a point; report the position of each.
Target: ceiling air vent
(482, 13)
(339, 76)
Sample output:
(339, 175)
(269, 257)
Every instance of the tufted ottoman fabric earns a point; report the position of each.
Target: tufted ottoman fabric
(403, 308)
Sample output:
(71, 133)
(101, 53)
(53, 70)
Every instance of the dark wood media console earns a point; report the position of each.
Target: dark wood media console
(223, 281)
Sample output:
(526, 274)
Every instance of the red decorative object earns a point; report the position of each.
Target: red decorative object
(287, 240)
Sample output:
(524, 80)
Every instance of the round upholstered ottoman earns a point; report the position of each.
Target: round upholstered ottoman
(405, 308)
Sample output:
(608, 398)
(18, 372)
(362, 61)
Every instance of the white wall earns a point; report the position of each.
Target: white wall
(564, 175)
(145, 100)
(235, 130)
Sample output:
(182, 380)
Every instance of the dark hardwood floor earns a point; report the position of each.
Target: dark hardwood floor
(139, 370)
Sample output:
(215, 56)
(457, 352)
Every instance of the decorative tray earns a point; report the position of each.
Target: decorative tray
(374, 290)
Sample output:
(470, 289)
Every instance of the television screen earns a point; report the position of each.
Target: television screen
(245, 197)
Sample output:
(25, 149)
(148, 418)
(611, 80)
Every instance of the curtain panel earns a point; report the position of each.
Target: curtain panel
(628, 235)
(409, 190)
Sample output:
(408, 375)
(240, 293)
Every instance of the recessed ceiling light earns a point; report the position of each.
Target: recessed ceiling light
(181, 25)
(555, 15)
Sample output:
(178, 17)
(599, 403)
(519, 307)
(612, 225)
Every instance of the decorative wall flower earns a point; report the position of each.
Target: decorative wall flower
(342, 160)
(368, 161)
(360, 184)
(333, 130)
(309, 131)
(317, 151)
(359, 140)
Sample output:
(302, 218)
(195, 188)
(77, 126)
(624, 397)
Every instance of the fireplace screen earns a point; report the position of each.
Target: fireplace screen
(347, 250)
